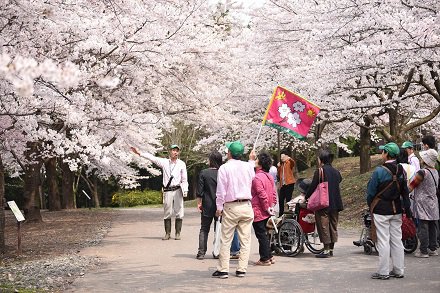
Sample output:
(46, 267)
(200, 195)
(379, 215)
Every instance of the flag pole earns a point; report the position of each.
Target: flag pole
(278, 144)
(265, 116)
(258, 135)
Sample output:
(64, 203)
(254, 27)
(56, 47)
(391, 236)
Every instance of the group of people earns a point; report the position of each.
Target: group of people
(403, 184)
(244, 194)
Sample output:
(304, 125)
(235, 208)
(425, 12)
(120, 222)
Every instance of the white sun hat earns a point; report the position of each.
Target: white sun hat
(429, 157)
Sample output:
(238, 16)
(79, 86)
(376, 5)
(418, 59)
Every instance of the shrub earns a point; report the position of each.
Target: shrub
(131, 198)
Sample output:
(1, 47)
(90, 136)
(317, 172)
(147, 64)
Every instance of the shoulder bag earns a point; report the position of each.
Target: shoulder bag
(319, 199)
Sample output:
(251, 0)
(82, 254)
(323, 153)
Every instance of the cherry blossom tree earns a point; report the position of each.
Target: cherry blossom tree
(367, 64)
(87, 79)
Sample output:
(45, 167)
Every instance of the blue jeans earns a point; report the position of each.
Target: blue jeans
(235, 246)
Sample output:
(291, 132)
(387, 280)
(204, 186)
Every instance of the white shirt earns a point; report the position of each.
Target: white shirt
(273, 171)
(177, 169)
(414, 161)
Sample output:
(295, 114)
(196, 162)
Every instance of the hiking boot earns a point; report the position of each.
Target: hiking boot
(220, 275)
(432, 252)
(240, 274)
(178, 225)
(421, 255)
(377, 276)
(167, 224)
(394, 275)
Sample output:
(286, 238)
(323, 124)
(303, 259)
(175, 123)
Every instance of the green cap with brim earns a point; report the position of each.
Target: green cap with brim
(236, 148)
(174, 146)
(391, 148)
(407, 145)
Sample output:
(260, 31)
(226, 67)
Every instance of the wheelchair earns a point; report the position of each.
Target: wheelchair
(294, 230)
(409, 245)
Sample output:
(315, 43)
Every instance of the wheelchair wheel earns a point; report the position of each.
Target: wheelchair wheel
(290, 238)
(368, 249)
(410, 245)
(312, 242)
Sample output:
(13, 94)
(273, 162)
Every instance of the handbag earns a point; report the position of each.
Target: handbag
(319, 199)
(408, 228)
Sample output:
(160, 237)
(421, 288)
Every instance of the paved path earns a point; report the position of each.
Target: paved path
(135, 259)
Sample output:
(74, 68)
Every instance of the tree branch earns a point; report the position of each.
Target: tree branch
(422, 121)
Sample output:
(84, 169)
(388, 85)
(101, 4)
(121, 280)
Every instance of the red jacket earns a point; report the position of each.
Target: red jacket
(264, 194)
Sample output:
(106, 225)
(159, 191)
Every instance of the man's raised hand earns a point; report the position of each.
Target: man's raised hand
(134, 150)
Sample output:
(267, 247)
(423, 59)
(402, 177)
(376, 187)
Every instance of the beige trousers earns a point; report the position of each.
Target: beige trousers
(236, 215)
(173, 204)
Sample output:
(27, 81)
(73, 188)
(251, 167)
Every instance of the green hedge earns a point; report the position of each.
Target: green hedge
(133, 198)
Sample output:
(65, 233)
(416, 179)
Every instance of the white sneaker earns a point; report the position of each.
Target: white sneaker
(422, 255)
(432, 252)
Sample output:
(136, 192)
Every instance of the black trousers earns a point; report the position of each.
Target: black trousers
(427, 233)
(285, 196)
(204, 231)
(263, 239)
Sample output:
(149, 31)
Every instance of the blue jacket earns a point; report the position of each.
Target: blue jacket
(390, 202)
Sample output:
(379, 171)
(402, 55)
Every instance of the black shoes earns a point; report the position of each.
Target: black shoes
(220, 275)
(224, 275)
(377, 276)
(200, 256)
(240, 274)
(394, 275)
(324, 255)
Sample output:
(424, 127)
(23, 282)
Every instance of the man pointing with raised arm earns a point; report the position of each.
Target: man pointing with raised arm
(175, 187)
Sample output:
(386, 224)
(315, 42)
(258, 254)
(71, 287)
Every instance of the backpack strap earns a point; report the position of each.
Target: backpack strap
(377, 197)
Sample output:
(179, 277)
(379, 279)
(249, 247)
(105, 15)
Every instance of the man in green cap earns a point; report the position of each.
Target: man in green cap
(412, 159)
(233, 200)
(386, 186)
(175, 187)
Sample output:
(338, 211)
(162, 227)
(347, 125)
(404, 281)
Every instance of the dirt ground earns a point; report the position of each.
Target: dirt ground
(60, 233)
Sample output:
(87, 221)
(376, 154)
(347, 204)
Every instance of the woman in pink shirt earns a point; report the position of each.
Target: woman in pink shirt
(263, 199)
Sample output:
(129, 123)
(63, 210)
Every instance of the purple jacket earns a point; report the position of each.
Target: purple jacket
(264, 195)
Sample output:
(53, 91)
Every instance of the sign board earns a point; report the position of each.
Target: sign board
(17, 213)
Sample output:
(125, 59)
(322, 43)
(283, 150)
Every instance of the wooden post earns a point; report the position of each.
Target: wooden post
(19, 238)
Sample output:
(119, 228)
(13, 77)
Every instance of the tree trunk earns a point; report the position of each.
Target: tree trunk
(394, 123)
(364, 148)
(95, 191)
(68, 178)
(2, 210)
(31, 192)
(52, 184)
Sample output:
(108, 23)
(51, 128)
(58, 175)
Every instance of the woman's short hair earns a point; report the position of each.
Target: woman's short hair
(215, 159)
(265, 161)
(403, 157)
(325, 157)
(429, 140)
(284, 152)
